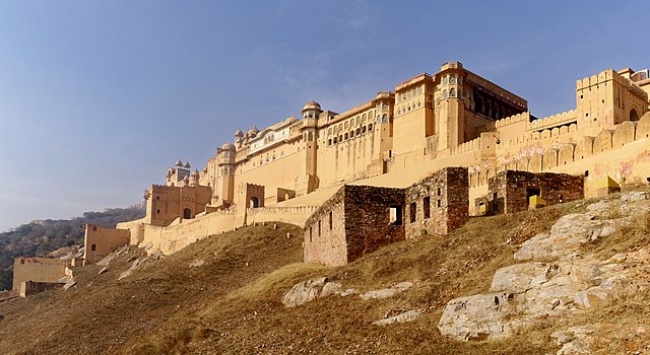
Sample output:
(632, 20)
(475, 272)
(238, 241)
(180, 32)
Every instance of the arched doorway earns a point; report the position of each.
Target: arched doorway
(634, 116)
(255, 202)
(187, 213)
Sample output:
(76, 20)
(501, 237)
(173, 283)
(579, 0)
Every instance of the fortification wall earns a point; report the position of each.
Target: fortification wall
(38, 270)
(550, 122)
(294, 215)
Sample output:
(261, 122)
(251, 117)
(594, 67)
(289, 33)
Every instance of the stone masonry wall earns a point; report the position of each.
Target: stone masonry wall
(327, 244)
(438, 204)
(368, 224)
(512, 189)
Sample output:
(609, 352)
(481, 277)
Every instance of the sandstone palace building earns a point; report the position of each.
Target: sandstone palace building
(398, 139)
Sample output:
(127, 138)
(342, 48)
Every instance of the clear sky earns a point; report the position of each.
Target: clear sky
(99, 98)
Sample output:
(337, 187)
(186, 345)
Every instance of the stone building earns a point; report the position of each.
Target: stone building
(511, 191)
(438, 204)
(355, 221)
(100, 241)
(360, 219)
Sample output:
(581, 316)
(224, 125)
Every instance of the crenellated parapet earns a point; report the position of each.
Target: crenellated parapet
(561, 119)
(518, 118)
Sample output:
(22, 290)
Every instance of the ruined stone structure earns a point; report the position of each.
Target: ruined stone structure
(510, 191)
(357, 220)
(360, 219)
(438, 204)
(100, 241)
(425, 124)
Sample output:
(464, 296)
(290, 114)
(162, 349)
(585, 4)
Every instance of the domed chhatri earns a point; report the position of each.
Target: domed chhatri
(228, 146)
(311, 105)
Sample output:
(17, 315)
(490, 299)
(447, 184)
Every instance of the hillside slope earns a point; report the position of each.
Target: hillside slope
(224, 294)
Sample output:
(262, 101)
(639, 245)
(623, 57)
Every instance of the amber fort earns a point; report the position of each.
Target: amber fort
(414, 161)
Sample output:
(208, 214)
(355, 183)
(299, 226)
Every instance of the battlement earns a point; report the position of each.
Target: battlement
(564, 118)
(520, 117)
(468, 146)
(605, 75)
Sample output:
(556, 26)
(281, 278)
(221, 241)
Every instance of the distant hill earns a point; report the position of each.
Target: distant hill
(38, 238)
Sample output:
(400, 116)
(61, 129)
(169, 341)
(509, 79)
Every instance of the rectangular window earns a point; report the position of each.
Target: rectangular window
(310, 234)
(412, 211)
(395, 215)
(426, 207)
(319, 228)
(330, 220)
(439, 203)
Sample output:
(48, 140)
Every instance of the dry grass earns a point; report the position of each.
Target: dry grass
(232, 304)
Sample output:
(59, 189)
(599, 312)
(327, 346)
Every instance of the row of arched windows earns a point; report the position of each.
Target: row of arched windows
(349, 135)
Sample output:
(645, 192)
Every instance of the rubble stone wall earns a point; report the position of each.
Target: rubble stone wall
(438, 204)
(512, 189)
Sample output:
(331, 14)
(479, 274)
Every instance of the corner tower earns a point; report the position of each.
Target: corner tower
(310, 113)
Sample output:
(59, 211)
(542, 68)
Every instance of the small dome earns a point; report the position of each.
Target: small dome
(187, 165)
(253, 131)
(239, 133)
(311, 105)
(292, 119)
(179, 163)
(228, 146)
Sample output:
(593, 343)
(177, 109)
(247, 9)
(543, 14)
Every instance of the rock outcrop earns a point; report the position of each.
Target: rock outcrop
(554, 278)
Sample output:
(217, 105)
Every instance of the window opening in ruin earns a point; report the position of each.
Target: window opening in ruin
(93, 247)
(157, 211)
(255, 202)
(532, 192)
(634, 116)
(412, 211)
(586, 173)
(319, 228)
(94, 228)
(330, 220)
(426, 207)
(395, 215)
(187, 213)
(310, 234)
(439, 203)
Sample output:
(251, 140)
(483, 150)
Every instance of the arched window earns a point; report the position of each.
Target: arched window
(634, 116)
(452, 92)
(444, 93)
(93, 247)
(384, 118)
(187, 213)
(370, 127)
(255, 202)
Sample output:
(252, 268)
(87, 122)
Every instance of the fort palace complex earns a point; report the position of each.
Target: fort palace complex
(417, 160)
(403, 139)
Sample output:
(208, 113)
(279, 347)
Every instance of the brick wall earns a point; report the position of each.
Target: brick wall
(438, 204)
(513, 188)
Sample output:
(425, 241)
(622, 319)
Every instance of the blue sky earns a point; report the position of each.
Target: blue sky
(99, 98)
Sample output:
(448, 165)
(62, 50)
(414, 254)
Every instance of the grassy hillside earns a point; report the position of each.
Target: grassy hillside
(232, 302)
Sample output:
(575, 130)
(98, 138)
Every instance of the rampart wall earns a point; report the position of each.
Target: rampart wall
(38, 270)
